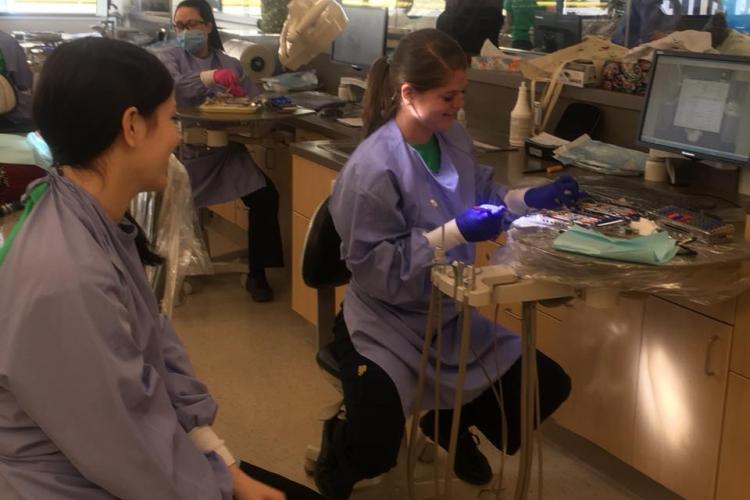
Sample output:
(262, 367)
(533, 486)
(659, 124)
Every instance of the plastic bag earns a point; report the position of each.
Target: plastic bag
(176, 235)
(594, 48)
(171, 224)
(291, 82)
(601, 157)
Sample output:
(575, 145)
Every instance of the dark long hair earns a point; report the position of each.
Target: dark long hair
(207, 14)
(425, 59)
(84, 89)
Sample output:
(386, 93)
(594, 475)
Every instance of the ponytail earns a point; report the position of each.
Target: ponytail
(381, 99)
(143, 245)
(425, 59)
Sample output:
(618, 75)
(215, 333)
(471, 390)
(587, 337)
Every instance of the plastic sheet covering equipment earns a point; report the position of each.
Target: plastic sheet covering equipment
(169, 220)
(718, 272)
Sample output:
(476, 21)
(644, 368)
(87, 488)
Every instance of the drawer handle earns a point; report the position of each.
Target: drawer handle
(707, 366)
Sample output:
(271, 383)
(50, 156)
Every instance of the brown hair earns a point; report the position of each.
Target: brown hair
(425, 59)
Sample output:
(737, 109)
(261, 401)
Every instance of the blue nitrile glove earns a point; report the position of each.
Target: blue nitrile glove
(563, 192)
(482, 223)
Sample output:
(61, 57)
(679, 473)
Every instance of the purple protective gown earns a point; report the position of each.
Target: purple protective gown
(96, 392)
(217, 175)
(19, 76)
(383, 201)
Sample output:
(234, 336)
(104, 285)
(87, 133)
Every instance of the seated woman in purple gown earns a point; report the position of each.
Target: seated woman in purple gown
(415, 174)
(200, 67)
(98, 399)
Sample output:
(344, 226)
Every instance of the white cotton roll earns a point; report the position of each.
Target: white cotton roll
(257, 60)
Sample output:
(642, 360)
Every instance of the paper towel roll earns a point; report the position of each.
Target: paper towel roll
(257, 60)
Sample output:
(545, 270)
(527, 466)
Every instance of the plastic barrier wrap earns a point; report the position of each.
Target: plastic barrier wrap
(177, 238)
(170, 221)
(718, 272)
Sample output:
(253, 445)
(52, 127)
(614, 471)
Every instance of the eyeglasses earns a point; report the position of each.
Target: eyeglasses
(188, 25)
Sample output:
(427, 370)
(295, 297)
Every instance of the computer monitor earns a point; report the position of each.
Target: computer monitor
(553, 32)
(363, 39)
(696, 105)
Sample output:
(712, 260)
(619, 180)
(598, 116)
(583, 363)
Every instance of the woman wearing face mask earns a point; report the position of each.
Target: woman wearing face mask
(200, 68)
(98, 399)
(414, 175)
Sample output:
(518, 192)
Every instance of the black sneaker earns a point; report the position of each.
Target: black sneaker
(330, 481)
(259, 288)
(470, 464)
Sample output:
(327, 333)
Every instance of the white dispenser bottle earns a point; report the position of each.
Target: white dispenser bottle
(521, 118)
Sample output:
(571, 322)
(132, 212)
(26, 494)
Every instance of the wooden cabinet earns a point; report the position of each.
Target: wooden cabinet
(311, 183)
(682, 380)
(551, 340)
(304, 135)
(741, 340)
(599, 348)
(734, 464)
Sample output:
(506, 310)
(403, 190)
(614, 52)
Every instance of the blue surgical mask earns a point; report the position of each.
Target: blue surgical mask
(192, 40)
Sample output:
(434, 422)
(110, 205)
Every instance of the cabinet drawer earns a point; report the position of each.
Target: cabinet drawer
(311, 183)
(304, 135)
(723, 311)
(225, 210)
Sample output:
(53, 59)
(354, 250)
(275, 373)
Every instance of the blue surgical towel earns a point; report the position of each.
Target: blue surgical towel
(656, 248)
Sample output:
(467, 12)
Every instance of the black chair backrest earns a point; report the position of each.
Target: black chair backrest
(578, 118)
(321, 259)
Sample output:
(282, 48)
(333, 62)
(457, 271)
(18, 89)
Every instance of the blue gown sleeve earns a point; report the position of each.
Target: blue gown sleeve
(78, 371)
(388, 259)
(194, 405)
(488, 191)
(188, 87)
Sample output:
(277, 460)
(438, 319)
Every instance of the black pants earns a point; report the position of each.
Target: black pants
(368, 442)
(292, 490)
(264, 235)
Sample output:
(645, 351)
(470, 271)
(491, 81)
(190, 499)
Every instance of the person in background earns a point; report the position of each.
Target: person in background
(15, 69)
(725, 39)
(471, 22)
(200, 69)
(98, 399)
(520, 19)
(649, 21)
(414, 176)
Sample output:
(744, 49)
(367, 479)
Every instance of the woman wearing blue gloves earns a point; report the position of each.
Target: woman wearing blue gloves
(411, 186)
(200, 68)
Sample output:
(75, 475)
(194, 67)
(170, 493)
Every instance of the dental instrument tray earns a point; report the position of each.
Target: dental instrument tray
(228, 104)
(700, 225)
(593, 213)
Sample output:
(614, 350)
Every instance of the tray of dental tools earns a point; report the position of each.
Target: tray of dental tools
(614, 219)
(708, 267)
(226, 103)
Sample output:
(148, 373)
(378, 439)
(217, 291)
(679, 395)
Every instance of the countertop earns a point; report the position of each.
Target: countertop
(510, 170)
